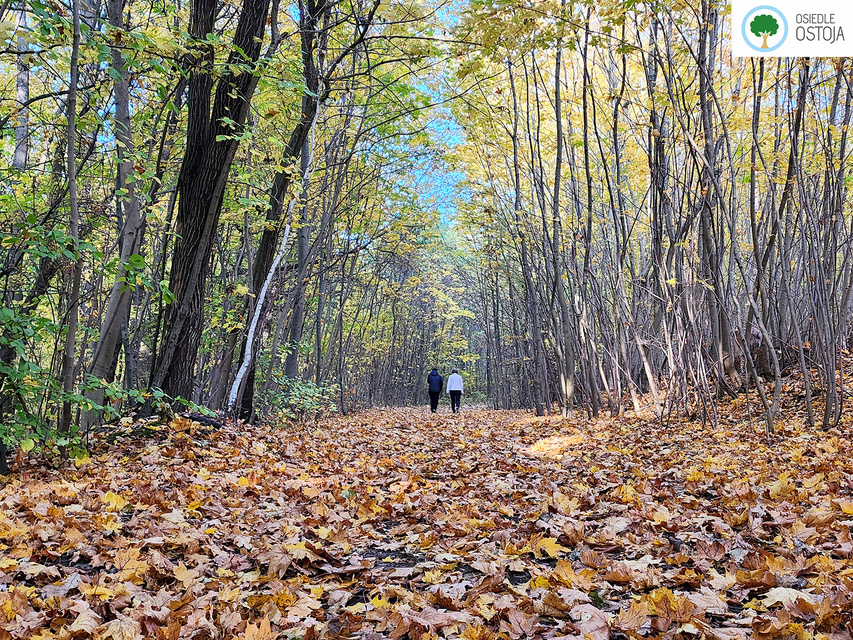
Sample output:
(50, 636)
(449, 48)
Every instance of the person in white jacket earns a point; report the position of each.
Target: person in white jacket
(454, 389)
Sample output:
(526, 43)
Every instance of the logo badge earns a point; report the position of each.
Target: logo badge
(764, 29)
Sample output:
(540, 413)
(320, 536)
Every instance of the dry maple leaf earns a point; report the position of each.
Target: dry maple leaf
(121, 628)
(87, 620)
(557, 603)
(185, 576)
(669, 606)
(787, 597)
(129, 567)
(591, 622)
(706, 601)
(263, 631)
(767, 626)
(113, 502)
(632, 618)
(549, 546)
(61, 589)
(519, 624)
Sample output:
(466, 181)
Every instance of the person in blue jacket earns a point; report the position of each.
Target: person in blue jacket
(435, 383)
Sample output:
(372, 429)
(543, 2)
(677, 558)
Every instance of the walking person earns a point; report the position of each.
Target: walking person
(434, 382)
(454, 390)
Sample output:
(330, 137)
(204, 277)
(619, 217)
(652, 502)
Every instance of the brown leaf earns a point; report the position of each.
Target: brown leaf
(591, 622)
(129, 566)
(185, 576)
(518, 624)
(87, 620)
(706, 601)
(121, 628)
(61, 589)
(632, 618)
(487, 585)
(557, 603)
(665, 604)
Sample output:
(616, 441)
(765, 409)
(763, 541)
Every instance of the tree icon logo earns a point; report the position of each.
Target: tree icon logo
(765, 29)
(764, 25)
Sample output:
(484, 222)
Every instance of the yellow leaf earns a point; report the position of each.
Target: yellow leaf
(129, 566)
(185, 576)
(323, 533)
(98, 590)
(549, 546)
(113, 501)
(845, 504)
(229, 595)
(8, 563)
(782, 487)
(539, 582)
(262, 632)
(812, 482)
(433, 577)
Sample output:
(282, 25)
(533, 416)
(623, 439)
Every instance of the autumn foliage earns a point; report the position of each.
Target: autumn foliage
(401, 524)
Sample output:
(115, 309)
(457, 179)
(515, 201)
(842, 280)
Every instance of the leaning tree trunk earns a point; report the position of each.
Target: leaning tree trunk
(562, 326)
(212, 140)
(314, 28)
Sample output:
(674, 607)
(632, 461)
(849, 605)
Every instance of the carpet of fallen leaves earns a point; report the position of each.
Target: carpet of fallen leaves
(403, 524)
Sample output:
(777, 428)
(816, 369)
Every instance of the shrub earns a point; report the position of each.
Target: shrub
(297, 400)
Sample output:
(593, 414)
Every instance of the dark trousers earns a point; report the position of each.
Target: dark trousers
(455, 396)
(433, 400)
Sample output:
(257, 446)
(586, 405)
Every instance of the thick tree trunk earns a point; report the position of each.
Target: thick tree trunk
(212, 139)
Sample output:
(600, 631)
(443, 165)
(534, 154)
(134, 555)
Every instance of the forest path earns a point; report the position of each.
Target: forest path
(399, 521)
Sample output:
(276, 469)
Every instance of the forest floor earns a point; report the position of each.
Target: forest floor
(399, 523)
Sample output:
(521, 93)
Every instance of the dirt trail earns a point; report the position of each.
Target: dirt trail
(399, 523)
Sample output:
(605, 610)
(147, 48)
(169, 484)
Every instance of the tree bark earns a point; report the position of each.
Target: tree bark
(68, 369)
(22, 127)
(212, 140)
(129, 213)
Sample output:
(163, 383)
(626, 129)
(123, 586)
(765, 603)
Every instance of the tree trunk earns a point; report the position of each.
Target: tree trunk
(212, 140)
(566, 365)
(68, 371)
(129, 212)
(291, 363)
(22, 128)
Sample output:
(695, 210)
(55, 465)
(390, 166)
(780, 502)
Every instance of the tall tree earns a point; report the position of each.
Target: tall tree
(213, 134)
